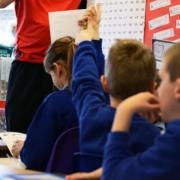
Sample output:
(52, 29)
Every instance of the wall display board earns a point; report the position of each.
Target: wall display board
(122, 19)
(159, 47)
(162, 20)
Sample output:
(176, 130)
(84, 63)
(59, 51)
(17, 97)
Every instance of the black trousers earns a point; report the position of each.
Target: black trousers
(27, 87)
(83, 4)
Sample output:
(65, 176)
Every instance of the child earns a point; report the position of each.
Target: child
(131, 70)
(56, 114)
(162, 160)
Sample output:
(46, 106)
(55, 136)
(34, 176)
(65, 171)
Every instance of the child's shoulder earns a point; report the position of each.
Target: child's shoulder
(143, 126)
(59, 96)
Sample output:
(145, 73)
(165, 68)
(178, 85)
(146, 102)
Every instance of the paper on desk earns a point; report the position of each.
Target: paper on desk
(10, 138)
(35, 176)
(64, 23)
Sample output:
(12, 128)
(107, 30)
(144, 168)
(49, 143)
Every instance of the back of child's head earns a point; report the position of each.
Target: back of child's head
(172, 57)
(131, 68)
(62, 50)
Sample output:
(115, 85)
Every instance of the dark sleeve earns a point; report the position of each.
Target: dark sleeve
(158, 163)
(83, 4)
(41, 136)
(100, 61)
(86, 87)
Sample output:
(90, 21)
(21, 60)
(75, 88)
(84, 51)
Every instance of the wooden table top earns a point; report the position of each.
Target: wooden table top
(11, 167)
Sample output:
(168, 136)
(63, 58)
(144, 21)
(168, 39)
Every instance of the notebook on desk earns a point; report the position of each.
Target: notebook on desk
(9, 138)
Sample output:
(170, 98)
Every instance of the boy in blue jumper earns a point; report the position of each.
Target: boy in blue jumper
(94, 114)
(162, 160)
(56, 114)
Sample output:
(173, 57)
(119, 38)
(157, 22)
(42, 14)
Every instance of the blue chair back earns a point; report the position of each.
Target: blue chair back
(61, 159)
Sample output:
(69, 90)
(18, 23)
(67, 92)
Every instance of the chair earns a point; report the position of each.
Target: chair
(61, 159)
(86, 162)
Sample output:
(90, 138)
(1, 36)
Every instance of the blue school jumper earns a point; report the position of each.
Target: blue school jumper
(160, 162)
(54, 116)
(95, 115)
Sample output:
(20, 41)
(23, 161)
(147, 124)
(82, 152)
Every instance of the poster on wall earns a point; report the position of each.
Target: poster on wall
(121, 19)
(162, 20)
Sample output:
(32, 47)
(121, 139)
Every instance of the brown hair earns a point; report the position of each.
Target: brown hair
(62, 50)
(131, 68)
(173, 61)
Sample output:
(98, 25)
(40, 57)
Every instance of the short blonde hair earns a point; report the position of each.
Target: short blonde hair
(131, 68)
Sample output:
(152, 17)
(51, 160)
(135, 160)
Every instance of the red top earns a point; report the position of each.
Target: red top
(33, 35)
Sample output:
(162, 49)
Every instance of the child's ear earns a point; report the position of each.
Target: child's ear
(177, 89)
(58, 69)
(104, 83)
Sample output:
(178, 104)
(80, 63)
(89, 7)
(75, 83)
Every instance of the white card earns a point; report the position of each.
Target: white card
(178, 24)
(177, 40)
(164, 34)
(158, 22)
(159, 4)
(64, 23)
(121, 19)
(174, 10)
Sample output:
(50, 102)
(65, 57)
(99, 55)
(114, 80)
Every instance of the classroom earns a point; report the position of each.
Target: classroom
(90, 89)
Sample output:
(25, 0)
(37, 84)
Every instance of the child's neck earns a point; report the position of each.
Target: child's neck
(114, 102)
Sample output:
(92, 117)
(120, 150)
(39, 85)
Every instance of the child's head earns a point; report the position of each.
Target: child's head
(131, 69)
(58, 61)
(169, 89)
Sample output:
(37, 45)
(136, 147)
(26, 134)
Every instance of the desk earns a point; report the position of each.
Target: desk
(4, 170)
(10, 168)
(12, 163)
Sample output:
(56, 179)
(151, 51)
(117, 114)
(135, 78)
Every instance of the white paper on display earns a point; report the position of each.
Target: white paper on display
(164, 34)
(120, 19)
(178, 24)
(159, 21)
(174, 10)
(159, 4)
(64, 23)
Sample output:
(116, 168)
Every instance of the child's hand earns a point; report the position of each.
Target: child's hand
(140, 103)
(94, 175)
(89, 24)
(93, 14)
(16, 148)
